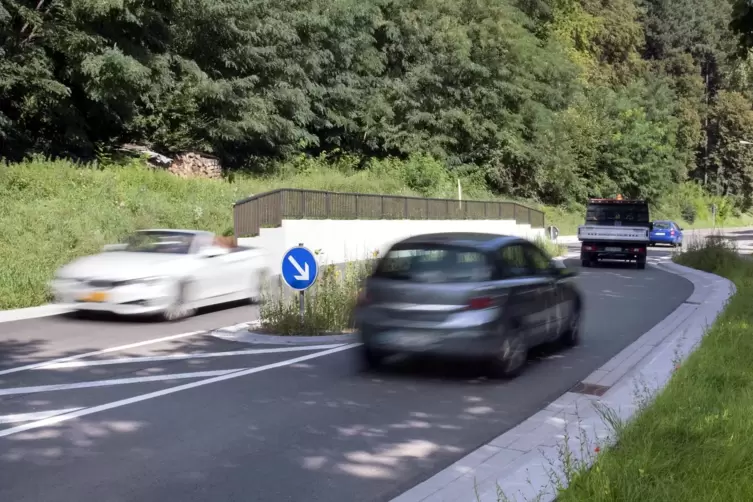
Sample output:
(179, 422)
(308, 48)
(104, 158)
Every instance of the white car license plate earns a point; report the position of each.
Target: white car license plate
(407, 339)
(617, 250)
(660, 233)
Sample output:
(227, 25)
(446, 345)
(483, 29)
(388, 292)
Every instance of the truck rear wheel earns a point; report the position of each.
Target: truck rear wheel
(641, 263)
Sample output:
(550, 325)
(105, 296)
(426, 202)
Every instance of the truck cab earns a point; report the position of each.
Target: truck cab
(615, 229)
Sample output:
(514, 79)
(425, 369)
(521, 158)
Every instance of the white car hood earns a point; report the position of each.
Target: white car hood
(123, 265)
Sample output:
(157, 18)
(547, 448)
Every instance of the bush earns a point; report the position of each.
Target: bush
(715, 254)
(328, 305)
(552, 248)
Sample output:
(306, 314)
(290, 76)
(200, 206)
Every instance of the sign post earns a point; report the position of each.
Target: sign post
(713, 215)
(299, 271)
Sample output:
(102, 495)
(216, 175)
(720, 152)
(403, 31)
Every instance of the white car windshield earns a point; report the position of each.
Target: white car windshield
(159, 242)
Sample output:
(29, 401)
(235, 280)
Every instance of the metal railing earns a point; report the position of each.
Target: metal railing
(268, 209)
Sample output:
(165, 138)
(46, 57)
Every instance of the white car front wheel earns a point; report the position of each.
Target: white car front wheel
(179, 308)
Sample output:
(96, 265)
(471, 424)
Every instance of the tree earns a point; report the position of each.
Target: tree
(732, 161)
(742, 24)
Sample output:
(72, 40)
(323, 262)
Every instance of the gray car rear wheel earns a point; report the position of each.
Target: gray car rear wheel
(371, 358)
(512, 356)
(571, 336)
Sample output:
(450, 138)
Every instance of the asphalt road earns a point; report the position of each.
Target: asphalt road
(169, 420)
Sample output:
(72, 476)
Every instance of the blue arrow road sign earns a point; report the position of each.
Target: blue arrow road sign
(299, 268)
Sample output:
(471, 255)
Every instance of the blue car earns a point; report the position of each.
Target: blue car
(666, 232)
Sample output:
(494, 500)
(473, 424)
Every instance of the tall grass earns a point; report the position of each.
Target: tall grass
(694, 442)
(328, 305)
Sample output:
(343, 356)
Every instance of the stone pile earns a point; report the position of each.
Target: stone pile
(195, 165)
(185, 165)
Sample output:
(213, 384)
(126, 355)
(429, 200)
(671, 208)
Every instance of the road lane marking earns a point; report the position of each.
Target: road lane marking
(152, 395)
(114, 381)
(99, 352)
(181, 356)
(29, 417)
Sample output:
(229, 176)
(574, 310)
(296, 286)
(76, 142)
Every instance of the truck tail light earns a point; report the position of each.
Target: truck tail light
(588, 247)
(637, 250)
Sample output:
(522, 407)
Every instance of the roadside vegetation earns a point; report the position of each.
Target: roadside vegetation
(328, 305)
(693, 443)
(550, 100)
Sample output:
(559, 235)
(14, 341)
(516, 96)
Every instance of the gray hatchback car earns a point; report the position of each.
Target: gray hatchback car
(470, 295)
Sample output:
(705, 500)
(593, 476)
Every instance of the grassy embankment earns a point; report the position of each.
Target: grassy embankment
(695, 441)
(53, 212)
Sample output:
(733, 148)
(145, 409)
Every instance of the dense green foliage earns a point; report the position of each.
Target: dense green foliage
(548, 99)
(692, 441)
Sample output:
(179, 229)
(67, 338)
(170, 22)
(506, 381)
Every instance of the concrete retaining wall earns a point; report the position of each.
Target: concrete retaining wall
(353, 240)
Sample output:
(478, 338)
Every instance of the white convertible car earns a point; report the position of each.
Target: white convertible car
(166, 272)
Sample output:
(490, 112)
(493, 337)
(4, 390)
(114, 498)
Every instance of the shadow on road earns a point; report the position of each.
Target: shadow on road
(112, 318)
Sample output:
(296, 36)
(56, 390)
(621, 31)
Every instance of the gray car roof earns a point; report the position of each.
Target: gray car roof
(477, 240)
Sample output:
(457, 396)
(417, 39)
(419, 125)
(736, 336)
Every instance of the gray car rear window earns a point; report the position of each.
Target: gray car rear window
(661, 225)
(435, 264)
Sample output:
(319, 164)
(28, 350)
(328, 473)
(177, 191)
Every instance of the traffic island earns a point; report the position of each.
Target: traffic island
(309, 300)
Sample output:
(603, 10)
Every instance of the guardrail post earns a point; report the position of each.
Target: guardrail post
(381, 200)
(405, 204)
(356, 206)
(327, 207)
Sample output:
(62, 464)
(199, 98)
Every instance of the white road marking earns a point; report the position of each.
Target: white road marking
(178, 357)
(39, 415)
(114, 381)
(99, 352)
(136, 399)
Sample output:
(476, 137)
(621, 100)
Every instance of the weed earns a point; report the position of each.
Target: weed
(328, 305)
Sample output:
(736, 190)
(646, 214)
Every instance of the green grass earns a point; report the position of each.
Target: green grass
(695, 442)
(53, 212)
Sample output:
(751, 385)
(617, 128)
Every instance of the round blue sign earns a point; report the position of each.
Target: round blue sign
(299, 268)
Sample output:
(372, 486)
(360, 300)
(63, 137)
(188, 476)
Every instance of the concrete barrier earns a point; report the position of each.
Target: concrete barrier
(341, 241)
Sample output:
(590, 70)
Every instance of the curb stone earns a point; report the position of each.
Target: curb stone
(244, 333)
(51, 309)
(522, 461)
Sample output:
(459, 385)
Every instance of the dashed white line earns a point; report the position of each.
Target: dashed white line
(152, 395)
(38, 415)
(114, 381)
(99, 352)
(182, 356)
